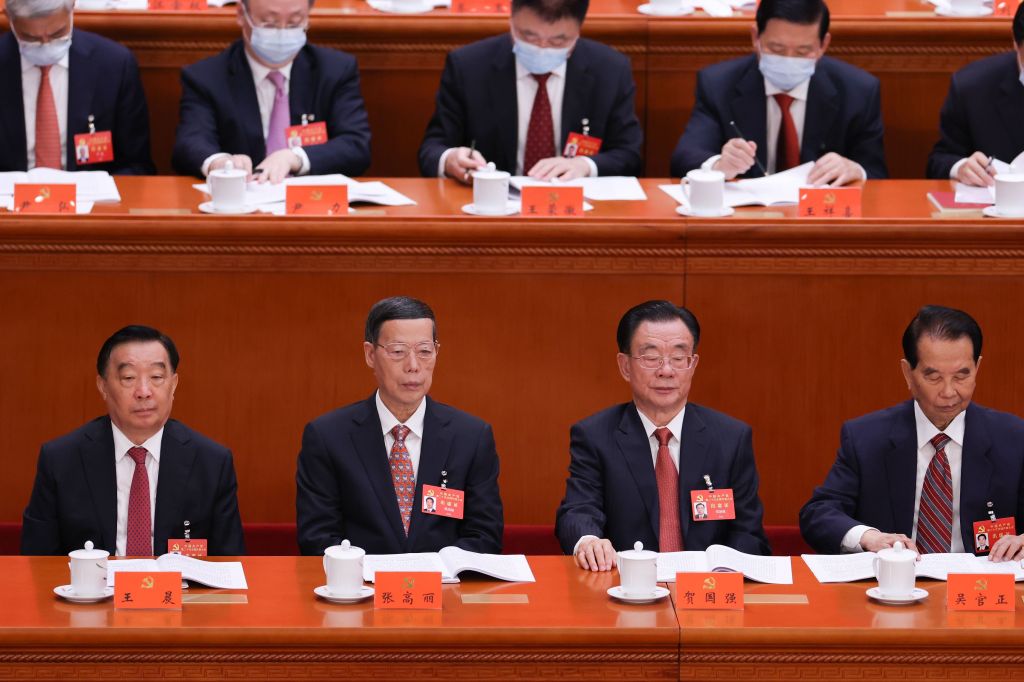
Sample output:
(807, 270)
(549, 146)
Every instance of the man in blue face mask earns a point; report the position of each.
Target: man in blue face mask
(57, 81)
(982, 116)
(785, 105)
(242, 105)
(538, 100)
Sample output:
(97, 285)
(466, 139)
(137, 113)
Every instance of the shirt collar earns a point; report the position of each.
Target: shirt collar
(522, 73)
(122, 445)
(388, 421)
(675, 425)
(799, 92)
(926, 430)
(259, 71)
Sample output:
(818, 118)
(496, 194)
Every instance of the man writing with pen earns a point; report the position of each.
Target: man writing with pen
(786, 105)
(538, 101)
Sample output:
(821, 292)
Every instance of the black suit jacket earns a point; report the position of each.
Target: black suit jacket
(612, 491)
(477, 102)
(983, 112)
(103, 80)
(220, 113)
(843, 115)
(344, 489)
(873, 479)
(74, 498)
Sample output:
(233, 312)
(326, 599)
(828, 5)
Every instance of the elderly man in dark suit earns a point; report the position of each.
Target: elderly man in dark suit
(633, 466)
(59, 82)
(923, 472)
(134, 479)
(363, 468)
(516, 99)
(785, 105)
(237, 106)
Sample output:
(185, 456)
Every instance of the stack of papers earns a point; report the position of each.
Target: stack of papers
(777, 570)
(270, 198)
(844, 568)
(609, 188)
(93, 186)
(773, 190)
(224, 575)
(449, 562)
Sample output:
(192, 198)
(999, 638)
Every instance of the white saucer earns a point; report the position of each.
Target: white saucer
(993, 212)
(64, 592)
(617, 593)
(392, 8)
(323, 593)
(207, 207)
(977, 12)
(685, 210)
(648, 9)
(917, 595)
(511, 208)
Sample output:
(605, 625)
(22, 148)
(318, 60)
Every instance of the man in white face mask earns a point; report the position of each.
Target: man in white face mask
(538, 101)
(785, 105)
(242, 105)
(982, 117)
(57, 80)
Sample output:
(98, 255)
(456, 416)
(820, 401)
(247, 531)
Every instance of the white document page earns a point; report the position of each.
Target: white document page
(93, 186)
(780, 188)
(777, 570)
(224, 575)
(841, 568)
(670, 563)
(676, 192)
(376, 192)
(424, 561)
(510, 567)
(608, 188)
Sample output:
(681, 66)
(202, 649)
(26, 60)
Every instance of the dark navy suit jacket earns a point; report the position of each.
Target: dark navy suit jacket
(74, 498)
(612, 491)
(843, 115)
(103, 80)
(344, 489)
(220, 113)
(477, 102)
(983, 112)
(873, 479)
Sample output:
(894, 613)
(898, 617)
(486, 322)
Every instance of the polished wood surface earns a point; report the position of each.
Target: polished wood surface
(801, 320)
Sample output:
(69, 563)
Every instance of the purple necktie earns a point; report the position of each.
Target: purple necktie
(279, 115)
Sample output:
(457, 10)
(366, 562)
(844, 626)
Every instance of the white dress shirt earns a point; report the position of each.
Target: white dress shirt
(925, 451)
(30, 77)
(124, 467)
(413, 440)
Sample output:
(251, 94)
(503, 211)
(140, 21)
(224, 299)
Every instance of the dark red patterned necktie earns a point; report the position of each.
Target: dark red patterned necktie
(140, 535)
(670, 534)
(787, 154)
(540, 135)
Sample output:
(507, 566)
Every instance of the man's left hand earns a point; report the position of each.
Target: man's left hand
(833, 170)
(278, 166)
(1007, 548)
(561, 168)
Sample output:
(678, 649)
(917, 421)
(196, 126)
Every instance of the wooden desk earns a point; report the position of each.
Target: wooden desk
(569, 629)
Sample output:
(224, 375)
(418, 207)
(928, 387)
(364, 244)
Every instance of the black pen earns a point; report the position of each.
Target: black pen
(764, 171)
(472, 148)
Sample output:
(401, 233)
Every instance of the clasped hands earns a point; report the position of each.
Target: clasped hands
(273, 169)
(462, 161)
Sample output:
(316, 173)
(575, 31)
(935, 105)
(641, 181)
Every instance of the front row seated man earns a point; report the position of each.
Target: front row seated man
(924, 471)
(131, 480)
(634, 466)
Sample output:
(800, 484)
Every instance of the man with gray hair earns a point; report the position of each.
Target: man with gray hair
(65, 87)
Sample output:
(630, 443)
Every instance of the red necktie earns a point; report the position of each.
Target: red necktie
(670, 535)
(402, 475)
(540, 135)
(47, 130)
(140, 536)
(787, 154)
(935, 513)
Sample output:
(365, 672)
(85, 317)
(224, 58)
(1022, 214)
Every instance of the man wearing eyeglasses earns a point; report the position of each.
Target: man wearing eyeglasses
(638, 469)
(363, 468)
(244, 104)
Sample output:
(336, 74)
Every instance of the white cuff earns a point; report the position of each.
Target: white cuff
(593, 166)
(442, 161)
(955, 170)
(205, 168)
(851, 541)
(303, 158)
(710, 163)
(576, 547)
(863, 173)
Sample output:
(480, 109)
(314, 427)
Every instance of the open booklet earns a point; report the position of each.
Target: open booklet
(777, 570)
(845, 568)
(778, 189)
(968, 194)
(605, 188)
(224, 575)
(91, 186)
(451, 561)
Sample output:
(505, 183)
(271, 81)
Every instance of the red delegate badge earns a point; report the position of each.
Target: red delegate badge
(305, 135)
(712, 505)
(94, 148)
(987, 532)
(442, 501)
(187, 547)
(581, 145)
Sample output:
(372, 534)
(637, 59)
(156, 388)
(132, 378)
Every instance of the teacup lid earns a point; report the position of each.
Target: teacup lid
(897, 553)
(345, 551)
(89, 552)
(490, 172)
(228, 171)
(638, 552)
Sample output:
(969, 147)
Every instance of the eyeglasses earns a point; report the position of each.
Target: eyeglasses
(425, 352)
(656, 361)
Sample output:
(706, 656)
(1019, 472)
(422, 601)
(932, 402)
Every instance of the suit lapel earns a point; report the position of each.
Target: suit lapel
(97, 453)
(437, 442)
(819, 116)
(368, 441)
(177, 455)
(693, 453)
(750, 113)
(579, 84)
(300, 89)
(901, 469)
(12, 117)
(81, 75)
(247, 108)
(1011, 94)
(503, 99)
(975, 474)
(635, 447)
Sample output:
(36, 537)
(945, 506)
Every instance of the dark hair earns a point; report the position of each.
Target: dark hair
(131, 334)
(396, 308)
(1018, 24)
(794, 11)
(553, 10)
(654, 311)
(939, 322)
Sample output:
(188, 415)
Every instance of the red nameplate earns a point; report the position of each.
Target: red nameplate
(93, 148)
(547, 201)
(147, 590)
(306, 135)
(398, 590)
(193, 548)
(987, 532)
(442, 501)
(1006, 9)
(581, 145)
(329, 200)
(45, 198)
(480, 7)
(177, 5)
(979, 592)
(720, 591)
(712, 506)
(829, 202)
